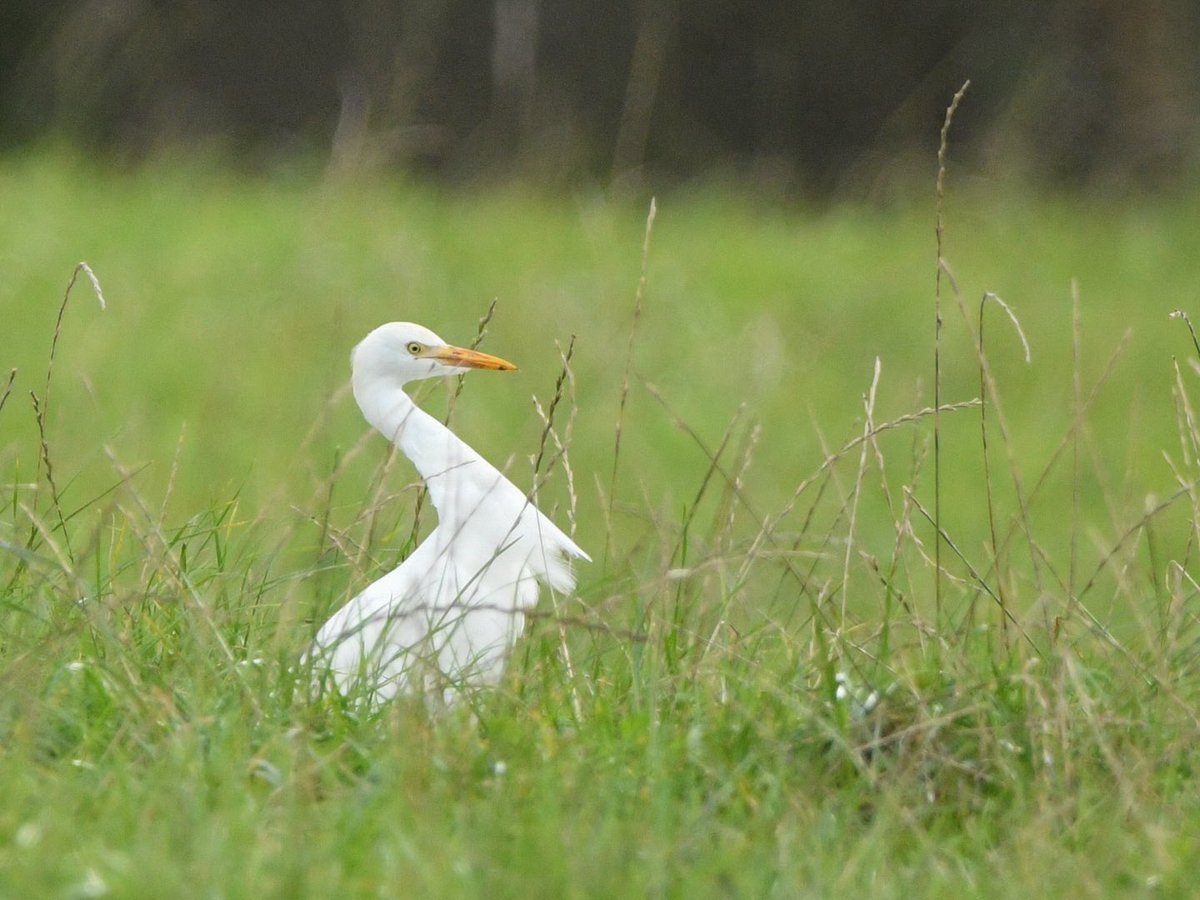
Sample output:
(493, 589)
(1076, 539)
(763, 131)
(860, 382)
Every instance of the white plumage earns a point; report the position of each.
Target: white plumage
(448, 614)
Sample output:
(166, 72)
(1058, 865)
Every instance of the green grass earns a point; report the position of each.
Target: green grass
(698, 720)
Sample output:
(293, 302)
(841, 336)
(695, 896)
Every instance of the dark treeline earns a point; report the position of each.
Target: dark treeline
(812, 95)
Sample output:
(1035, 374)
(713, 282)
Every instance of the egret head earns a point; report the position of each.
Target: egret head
(400, 352)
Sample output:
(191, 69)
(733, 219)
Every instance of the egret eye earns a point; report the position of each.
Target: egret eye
(414, 348)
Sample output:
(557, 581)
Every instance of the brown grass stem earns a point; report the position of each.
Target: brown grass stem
(638, 298)
(940, 229)
(459, 384)
(987, 391)
(41, 406)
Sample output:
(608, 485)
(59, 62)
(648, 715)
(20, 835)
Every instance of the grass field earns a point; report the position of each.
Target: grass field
(761, 689)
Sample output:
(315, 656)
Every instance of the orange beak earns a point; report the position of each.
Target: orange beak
(460, 357)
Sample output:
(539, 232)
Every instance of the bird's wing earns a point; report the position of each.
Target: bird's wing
(479, 508)
(452, 605)
(487, 510)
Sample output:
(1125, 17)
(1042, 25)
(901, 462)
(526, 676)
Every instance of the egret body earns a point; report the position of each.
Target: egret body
(452, 609)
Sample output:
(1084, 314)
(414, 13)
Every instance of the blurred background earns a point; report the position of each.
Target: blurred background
(258, 184)
(815, 98)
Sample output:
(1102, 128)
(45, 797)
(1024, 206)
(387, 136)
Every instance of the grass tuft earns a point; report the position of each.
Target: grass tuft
(804, 663)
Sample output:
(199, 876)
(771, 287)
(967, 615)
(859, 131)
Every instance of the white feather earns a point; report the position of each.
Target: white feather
(453, 608)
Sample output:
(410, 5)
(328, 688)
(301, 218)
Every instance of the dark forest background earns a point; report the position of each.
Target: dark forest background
(813, 96)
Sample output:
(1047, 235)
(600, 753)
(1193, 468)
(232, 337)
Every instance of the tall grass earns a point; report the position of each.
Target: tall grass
(757, 690)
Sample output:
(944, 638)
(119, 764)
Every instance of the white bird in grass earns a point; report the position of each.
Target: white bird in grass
(452, 609)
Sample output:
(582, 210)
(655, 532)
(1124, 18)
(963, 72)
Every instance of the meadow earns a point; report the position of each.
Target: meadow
(765, 685)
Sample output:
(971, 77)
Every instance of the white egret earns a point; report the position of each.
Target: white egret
(451, 610)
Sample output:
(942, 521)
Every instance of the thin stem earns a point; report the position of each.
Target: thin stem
(937, 351)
